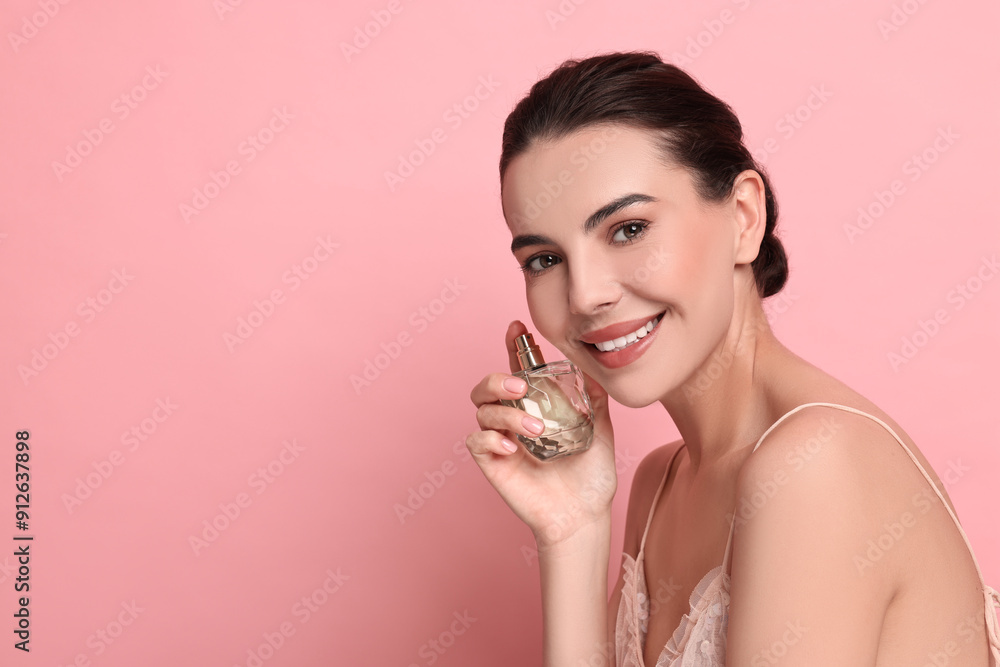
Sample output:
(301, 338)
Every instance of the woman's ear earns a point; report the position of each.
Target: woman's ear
(750, 215)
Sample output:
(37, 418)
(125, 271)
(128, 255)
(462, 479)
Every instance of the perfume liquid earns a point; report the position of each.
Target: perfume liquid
(556, 396)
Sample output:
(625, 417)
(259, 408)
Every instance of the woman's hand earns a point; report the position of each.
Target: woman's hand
(554, 498)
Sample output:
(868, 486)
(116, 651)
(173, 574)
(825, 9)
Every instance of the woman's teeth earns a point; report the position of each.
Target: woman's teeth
(625, 341)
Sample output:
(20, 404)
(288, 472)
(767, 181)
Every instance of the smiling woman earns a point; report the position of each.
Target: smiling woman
(646, 234)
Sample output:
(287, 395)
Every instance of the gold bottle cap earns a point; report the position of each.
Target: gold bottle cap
(528, 354)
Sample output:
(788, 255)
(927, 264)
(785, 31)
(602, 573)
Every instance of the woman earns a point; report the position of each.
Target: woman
(794, 521)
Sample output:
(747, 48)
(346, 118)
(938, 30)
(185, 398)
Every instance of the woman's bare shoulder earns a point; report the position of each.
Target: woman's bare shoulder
(650, 470)
(648, 475)
(818, 429)
(861, 445)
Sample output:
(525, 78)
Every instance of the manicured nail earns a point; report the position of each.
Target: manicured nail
(508, 445)
(515, 385)
(533, 424)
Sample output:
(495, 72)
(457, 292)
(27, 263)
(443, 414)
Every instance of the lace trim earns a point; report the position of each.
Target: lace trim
(633, 616)
(992, 624)
(699, 639)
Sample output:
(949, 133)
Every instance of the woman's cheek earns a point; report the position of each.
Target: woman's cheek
(542, 308)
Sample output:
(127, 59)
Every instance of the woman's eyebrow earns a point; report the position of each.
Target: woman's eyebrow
(595, 219)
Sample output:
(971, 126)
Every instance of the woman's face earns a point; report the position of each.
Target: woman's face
(609, 236)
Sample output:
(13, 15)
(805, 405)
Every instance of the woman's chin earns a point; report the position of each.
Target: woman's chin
(632, 398)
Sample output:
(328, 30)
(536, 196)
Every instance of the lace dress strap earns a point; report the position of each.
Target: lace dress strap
(656, 498)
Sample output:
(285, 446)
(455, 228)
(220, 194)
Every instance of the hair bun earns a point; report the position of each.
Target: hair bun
(770, 268)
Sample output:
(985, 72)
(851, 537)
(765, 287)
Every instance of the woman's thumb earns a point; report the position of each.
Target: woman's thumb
(598, 396)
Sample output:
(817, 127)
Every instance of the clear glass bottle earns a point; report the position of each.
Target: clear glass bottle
(557, 397)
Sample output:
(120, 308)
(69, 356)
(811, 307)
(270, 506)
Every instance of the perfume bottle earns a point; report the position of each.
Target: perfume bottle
(556, 396)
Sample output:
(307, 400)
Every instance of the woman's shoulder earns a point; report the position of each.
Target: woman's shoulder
(645, 483)
(651, 470)
(829, 431)
(845, 442)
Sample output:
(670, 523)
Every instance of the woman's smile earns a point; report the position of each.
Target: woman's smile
(612, 348)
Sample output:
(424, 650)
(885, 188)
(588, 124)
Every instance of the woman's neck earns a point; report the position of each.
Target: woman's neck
(725, 405)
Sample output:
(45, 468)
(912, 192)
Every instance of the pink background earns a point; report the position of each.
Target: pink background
(328, 513)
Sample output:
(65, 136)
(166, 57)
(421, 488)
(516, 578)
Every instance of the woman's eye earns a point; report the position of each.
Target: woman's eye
(627, 233)
(539, 263)
(632, 231)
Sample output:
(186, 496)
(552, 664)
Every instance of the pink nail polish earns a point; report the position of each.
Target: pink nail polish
(556, 396)
(533, 424)
(515, 385)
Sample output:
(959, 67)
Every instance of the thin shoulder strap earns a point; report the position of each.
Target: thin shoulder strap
(898, 439)
(656, 498)
(991, 595)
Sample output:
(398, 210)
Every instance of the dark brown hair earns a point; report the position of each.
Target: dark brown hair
(699, 131)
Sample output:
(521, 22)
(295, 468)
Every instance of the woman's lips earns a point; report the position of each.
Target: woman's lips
(616, 330)
(627, 355)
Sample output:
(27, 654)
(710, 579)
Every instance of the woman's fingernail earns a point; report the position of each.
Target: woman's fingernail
(508, 445)
(515, 385)
(533, 424)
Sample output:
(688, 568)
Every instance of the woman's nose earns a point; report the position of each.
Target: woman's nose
(593, 286)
